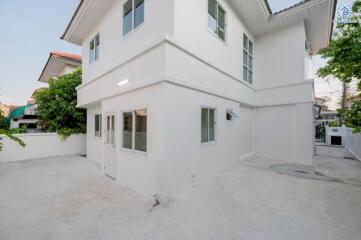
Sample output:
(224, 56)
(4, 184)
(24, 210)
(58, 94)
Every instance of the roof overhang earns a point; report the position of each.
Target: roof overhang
(56, 63)
(87, 14)
(318, 16)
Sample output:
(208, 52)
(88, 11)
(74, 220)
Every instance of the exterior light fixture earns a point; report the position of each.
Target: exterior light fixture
(121, 83)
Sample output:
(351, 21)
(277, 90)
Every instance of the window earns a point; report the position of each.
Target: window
(98, 125)
(110, 129)
(217, 19)
(133, 15)
(247, 60)
(208, 125)
(94, 49)
(135, 130)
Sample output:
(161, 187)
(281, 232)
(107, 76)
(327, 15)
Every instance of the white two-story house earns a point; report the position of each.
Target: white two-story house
(178, 91)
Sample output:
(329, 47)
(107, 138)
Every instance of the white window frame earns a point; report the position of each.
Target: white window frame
(99, 133)
(225, 23)
(133, 131)
(249, 54)
(213, 142)
(133, 19)
(93, 57)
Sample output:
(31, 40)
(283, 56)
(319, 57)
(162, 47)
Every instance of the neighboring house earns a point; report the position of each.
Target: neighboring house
(178, 91)
(6, 109)
(58, 64)
(24, 116)
(350, 100)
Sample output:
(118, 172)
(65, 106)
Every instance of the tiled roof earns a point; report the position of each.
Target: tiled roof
(290, 7)
(75, 57)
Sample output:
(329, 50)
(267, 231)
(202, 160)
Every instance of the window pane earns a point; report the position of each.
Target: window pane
(112, 129)
(211, 125)
(250, 48)
(127, 17)
(91, 51)
(96, 55)
(127, 130)
(221, 24)
(250, 77)
(245, 58)
(108, 129)
(221, 18)
(212, 23)
(245, 42)
(139, 13)
(221, 33)
(250, 62)
(212, 8)
(97, 126)
(204, 125)
(141, 130)
(245, 75)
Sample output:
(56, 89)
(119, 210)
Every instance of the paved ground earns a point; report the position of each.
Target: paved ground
(68, 198)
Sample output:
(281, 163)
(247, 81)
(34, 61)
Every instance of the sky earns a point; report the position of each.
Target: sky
(30, 29)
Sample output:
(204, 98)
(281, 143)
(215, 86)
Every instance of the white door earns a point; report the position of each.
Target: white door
(110, 148)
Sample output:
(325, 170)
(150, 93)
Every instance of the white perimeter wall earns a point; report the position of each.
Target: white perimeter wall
(41, 145)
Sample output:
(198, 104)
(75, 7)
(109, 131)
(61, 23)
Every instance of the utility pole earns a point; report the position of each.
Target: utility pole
(343, 100)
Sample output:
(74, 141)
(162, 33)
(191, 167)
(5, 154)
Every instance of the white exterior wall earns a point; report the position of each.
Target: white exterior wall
(191, 29)
(140, 171)
(114, 48)
(279, 57)
(41, 145)
(175, 65)
(185, 155)
(285, 132)
(94, 144)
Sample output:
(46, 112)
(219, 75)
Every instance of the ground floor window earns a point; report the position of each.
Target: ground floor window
(98, 125)
(208, 125)
(135, 130)
(110, 129)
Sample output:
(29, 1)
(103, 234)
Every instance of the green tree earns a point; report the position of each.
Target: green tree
(57, 109)
(5, 131)
(344, 60)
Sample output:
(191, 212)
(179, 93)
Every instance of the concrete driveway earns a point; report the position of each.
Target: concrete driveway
(68, 198)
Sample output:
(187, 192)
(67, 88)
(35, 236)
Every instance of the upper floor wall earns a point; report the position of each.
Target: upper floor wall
(114, 48)
(278, 57)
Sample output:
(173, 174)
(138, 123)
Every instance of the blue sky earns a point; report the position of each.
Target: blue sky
(30, 29)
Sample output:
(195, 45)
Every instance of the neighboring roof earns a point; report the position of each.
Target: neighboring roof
(56, 61)
(18, 112)
(72, 56)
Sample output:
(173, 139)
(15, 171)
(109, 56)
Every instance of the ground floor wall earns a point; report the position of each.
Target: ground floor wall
(285, 132)
(94, 142)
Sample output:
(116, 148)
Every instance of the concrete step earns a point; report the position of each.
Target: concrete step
(332, 151)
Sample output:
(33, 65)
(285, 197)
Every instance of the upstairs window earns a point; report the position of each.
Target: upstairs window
(94, 49)
(98, 125)
(208, 123)
(247, 60)
(133, 15)
(217, 19)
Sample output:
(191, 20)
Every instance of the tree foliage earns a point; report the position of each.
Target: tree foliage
(57, 109)
(5, 131)
(344, 52)
(344, 61)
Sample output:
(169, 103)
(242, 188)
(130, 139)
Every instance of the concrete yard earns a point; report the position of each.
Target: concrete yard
(69, 198)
